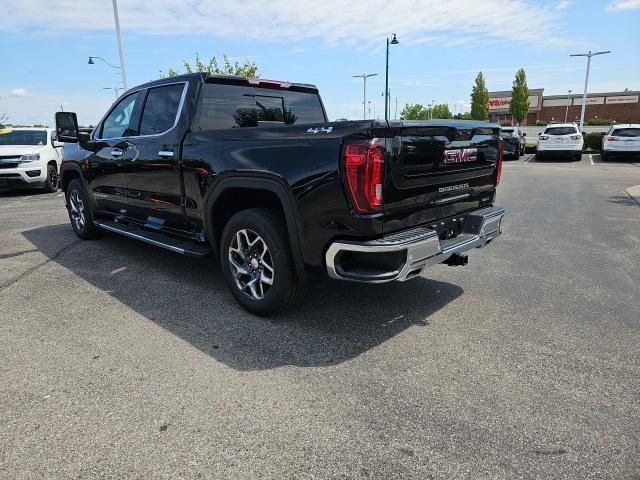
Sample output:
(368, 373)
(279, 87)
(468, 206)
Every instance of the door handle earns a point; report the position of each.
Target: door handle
(165, 153)
(117, 153)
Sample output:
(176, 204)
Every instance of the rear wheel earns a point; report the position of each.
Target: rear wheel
(516, 154)
(51, 184)
(80, 211)
(603, 156)
(257, 263)
(539, 156)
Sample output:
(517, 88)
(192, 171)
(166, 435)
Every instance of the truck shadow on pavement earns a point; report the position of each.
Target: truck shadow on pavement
(333, 323)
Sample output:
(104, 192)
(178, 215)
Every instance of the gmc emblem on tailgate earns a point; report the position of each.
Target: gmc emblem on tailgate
(459, 156)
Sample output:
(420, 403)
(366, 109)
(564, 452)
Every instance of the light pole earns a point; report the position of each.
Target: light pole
(368, 117)
(566, 114)
(394, 41)
(119, 37)
(364, 77)
(589, 54)
(114, 89)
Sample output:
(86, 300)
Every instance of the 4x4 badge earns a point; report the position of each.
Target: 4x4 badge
(323, 129)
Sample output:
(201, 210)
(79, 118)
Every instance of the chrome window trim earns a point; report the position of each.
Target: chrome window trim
(175, 122)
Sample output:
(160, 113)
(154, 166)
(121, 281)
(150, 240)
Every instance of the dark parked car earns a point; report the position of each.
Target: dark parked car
(514, 142)
(250, 169)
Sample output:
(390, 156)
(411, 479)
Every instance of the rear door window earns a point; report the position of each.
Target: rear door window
(161, 109)
(561, 130)
(626, 132)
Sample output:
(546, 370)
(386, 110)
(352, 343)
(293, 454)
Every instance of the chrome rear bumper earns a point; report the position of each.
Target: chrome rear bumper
(415, 249)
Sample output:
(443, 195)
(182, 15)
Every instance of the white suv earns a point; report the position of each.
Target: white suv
(621, 140)
(562, 139)
(29, 157)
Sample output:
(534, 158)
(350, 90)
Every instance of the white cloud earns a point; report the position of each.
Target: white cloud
(618, 5)
(20, 92)
(563, 4)
(40, 107)
(359, 22)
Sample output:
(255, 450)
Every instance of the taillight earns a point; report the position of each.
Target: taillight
(544, 137)
(364, 166)
(575, 137)
(612, 139)
(499, 163)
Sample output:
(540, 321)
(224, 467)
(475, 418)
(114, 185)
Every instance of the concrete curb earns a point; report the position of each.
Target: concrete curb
(634, 192)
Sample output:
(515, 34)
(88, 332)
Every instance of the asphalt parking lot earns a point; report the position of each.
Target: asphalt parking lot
(121, 360)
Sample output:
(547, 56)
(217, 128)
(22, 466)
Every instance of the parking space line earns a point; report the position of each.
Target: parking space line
(529, 159)
(591, 159)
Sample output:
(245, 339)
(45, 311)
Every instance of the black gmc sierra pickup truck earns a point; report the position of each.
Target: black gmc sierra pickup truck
(250, 169)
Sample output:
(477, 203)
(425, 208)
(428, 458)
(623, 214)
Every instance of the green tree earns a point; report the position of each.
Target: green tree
(441, 111)
(414, 112)
(3, 119)
(247, 69)
(519, 106)
(480, 99)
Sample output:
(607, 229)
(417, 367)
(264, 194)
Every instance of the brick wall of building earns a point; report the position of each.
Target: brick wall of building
(621, 113)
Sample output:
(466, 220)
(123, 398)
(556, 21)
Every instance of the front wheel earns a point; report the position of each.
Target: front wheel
(257, 263)
(80, 211)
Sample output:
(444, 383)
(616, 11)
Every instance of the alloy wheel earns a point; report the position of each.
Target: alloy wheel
(77, 209)
(251, 264)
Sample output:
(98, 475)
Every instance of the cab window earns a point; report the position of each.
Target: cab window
(117, 124)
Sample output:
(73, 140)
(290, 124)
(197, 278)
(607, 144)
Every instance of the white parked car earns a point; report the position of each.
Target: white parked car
(29, 157)
(560, 139)
(621, 140)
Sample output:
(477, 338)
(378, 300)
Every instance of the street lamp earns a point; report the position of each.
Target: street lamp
(393, 41)
(364, 77)
(566, 114)
(91, 62)
(586, 79)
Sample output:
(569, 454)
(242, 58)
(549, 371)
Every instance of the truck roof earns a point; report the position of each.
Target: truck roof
(229, 80)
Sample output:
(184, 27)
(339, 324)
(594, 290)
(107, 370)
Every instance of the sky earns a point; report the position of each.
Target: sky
(45, 45)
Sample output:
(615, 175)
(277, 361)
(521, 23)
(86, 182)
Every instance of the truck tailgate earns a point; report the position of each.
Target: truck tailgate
(438, 169)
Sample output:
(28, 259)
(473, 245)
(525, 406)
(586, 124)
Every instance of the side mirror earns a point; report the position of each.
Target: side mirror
(539, 133)
(584, 133)
(524, 134)
(67, 127)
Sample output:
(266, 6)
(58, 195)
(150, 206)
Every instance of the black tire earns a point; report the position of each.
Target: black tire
(604, 157)
(577, 157)
(51, 184)
(79, 210)
(516, 155)
(269, 226)
(539, 157)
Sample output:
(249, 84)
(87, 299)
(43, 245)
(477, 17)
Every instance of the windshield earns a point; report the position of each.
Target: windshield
(23, 137)
(506, 132)
(560, 130)
(626, 132)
